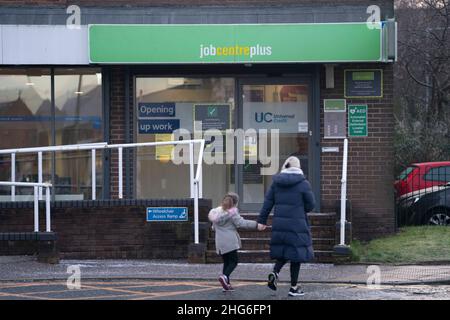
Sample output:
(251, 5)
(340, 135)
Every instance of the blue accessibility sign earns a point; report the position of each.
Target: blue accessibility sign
(167, 214)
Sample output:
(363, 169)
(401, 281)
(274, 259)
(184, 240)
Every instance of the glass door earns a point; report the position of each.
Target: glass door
(268, 105)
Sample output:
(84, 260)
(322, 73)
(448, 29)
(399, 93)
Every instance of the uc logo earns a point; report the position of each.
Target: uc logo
(266, 117)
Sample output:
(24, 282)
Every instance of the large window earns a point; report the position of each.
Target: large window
(78, 101)
(29, 118)
(282, 106)
(441, 174)
(174, 101)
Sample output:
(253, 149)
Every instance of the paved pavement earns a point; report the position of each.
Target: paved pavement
(27, 268)
(195, 290)
(24, 278)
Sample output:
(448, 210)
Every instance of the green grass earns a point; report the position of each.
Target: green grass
(409, 245)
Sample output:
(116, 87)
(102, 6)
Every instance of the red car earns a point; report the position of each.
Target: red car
(421, 178)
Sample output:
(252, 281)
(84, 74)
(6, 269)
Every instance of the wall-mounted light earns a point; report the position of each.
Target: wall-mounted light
(30, 83)
(78, 92)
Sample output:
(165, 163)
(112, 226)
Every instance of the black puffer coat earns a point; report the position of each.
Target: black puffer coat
(291, 196)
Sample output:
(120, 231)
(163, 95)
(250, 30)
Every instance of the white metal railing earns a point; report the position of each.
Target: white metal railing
(191, 143)
(40, 151)
(196, 185)
(35, 186)
(344, 192)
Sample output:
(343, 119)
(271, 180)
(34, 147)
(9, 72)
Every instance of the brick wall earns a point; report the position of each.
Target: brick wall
(116, 123)
(118, 128)
(370, 161)
(109, 229)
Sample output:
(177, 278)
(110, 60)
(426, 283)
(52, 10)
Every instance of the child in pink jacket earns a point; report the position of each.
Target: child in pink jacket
(226, 220)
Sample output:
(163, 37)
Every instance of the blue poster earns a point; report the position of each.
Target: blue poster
(156, 109)
(158, 126)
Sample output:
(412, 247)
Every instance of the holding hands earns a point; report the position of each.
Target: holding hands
(261, 227)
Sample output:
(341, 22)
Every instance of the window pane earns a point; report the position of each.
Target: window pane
(156, 175)
(441, 174)
(404, 174)
(78, 119)
(25, 121)
(274, 106)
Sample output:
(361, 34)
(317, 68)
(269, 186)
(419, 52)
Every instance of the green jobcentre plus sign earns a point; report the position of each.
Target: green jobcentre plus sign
(357, 120)
(236, 43)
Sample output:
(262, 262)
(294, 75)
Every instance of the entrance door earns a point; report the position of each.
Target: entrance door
(265, 105)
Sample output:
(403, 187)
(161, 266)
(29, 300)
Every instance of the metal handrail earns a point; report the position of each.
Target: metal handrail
(67, 147)
(196, 185)
(35, 186)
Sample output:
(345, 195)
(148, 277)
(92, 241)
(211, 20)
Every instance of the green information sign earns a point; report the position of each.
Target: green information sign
(235, 43)
(212, 116)
(357, 120)
(363, 83)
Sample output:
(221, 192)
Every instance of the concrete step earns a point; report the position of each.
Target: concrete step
(256, 244)
(262, 256)
(264, 244)
(315, 219)
(316, 231)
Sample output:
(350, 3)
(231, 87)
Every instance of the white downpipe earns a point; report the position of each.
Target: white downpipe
(198, 191)
(344, 192)
(191, 169)
(93, 176)
(47, 210)
(36, 209)
(200, 183)
(120, 173)
(200, 163)
(199, 173)
(40, 173)
(13, 176)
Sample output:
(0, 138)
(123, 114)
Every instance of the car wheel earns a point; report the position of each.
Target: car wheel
(439, 217)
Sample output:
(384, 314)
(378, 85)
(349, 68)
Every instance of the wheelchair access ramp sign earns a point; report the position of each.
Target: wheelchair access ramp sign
(167, 214)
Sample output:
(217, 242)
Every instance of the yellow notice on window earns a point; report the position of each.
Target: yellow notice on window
(164, 152)
(250, 147)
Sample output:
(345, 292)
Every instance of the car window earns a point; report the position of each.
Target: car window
(405, 173)
(441, 174)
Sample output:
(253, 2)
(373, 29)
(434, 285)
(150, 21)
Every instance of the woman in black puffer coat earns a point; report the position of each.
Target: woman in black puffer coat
(291, 197)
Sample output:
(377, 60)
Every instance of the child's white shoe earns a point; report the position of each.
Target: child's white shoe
(223, 279)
